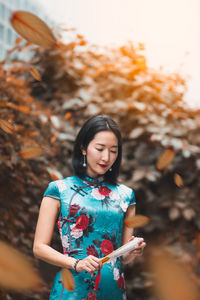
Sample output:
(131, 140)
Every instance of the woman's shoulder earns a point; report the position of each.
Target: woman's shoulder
(128, 193)
(125, 189)
(63, 183)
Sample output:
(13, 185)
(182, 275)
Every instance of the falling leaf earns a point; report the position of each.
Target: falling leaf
(18, 40)
(16, 272)
(21, 108)
(136, 221)
(172, 281)
(34, 72)
(6, 126)
(178, 180)
(67, 280)
(68, 115)
(165, 159)
(30, 152)
(32, 28)
(83, 43)
(55, 175)
(53, 139)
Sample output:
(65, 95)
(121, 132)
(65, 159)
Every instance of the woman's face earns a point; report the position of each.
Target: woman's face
(101, 153)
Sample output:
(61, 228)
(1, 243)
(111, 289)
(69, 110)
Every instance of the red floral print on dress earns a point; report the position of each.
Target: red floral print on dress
(120, 282)
(91, 250)
(91, 296)
(82, 222)
(106, 247)
(103, 190)
(73, 210)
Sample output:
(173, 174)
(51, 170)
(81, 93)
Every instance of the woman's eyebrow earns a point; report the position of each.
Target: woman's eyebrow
(104, 145)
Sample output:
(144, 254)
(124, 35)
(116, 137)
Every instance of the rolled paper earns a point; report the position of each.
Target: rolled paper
(122, 250)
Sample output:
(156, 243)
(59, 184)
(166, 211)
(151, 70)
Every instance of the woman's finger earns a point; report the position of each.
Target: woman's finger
(131, 238)
(142, 245)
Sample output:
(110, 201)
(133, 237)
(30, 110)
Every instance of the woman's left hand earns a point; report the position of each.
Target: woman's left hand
(127, 258)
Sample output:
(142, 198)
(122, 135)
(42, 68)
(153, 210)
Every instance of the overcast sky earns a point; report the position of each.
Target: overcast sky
(170, 30)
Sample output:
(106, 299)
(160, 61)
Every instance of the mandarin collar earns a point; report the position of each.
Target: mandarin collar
(94, 180)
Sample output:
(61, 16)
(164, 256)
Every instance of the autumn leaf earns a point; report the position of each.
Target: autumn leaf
(83, 43)
(32, 28)
(67, 280)
(30, 152)
(55, 175)
(53, 139)
(165, 159)
(68, 115)
(172, 281)
(18, 40)
(6, 126)
(36, 75)
(136, 221)
(21, 108)
(16, 272)
(178, 180)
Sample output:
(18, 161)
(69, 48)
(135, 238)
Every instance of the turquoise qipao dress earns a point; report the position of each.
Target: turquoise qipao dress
(90, 222)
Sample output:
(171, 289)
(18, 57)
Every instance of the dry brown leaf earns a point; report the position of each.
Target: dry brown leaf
(165, 159)
(16, 272)
(18, 40)
(30, 152)
(178, 180)
(67, 280)
(136, 221)
(32, 28)
(36, 75)
(172, 281)
(53, 139)
(6, 126)
(68, 115)
(21, 108)
(55, 175)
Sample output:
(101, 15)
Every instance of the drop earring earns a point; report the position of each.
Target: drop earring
(110, 169)
(84, 161)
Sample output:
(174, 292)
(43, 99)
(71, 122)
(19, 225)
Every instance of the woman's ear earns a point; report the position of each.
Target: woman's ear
(83, 150)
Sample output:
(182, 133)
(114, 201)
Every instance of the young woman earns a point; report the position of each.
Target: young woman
(89, 208)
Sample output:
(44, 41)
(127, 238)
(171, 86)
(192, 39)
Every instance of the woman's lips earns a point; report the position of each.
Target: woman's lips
(103, 166)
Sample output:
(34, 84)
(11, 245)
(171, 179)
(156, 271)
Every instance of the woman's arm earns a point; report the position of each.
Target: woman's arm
(128, 232)
(48, 213)
(127, 235)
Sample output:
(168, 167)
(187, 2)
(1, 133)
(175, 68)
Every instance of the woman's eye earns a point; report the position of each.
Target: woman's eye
(102, 150)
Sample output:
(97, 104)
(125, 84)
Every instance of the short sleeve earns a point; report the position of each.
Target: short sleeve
(52, 191)
(132, 198)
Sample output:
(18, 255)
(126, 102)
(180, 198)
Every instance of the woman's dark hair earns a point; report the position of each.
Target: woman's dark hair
(86, 135)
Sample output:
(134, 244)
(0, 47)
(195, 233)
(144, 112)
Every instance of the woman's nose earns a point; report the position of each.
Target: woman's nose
(105, 156)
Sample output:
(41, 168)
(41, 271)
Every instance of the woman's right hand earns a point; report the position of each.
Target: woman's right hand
(90, 264)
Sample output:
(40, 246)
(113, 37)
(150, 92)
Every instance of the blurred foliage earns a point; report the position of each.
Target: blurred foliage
(43, 104)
